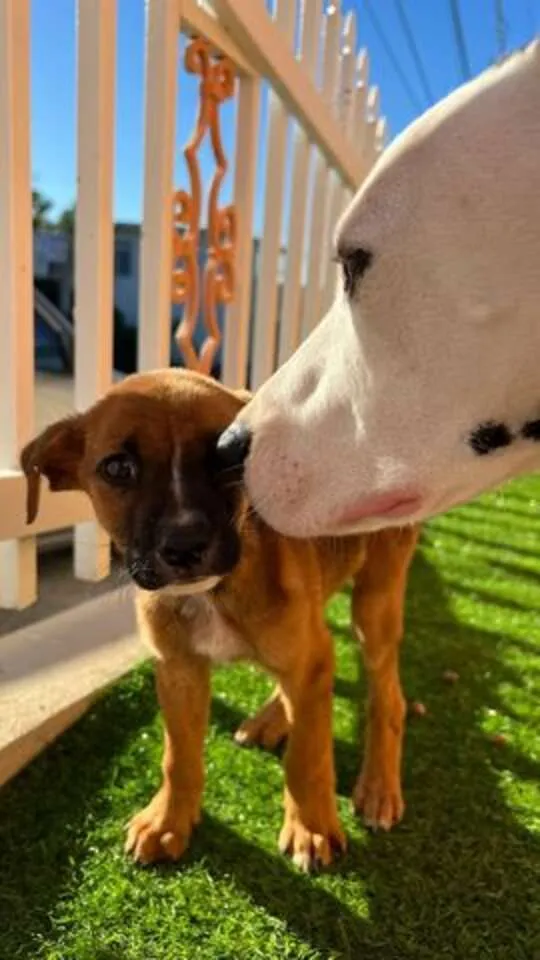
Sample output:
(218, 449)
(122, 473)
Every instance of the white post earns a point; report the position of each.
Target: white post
(347, 118)
(18, 580)
(94, 255)
(356, 126)
(381, 137)
(372, 111)
(236, 335)
(267, 288)
(319, 202)
(289, 334)
(162, 45)
(360, 121)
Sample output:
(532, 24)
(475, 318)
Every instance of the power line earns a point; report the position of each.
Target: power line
(459, 36)
(500, 26)
(532, 17)
(392, 56)
(414, 49)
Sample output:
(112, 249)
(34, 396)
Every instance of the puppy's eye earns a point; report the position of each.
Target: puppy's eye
(354, 264)
(119, 470)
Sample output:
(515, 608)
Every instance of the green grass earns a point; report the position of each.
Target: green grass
(460, 878)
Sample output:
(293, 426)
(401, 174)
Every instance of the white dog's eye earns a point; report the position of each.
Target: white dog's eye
(354, 264)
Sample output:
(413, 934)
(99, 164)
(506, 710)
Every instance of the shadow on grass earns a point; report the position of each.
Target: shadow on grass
(44, 812)
(459, 878)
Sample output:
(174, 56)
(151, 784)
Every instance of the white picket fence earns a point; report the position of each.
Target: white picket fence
(305, 60)
(318, 84)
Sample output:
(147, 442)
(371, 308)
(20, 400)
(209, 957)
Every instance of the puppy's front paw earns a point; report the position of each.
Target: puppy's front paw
(378, 799)
(163, 829)
(308, 847)
(267, 729)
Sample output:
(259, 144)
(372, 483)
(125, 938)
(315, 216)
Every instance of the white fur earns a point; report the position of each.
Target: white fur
(176, 475)
(443, 334)
(209, 633)
(190, 589)
(211, 636)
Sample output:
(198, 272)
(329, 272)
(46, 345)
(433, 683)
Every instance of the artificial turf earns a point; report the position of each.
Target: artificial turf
(459, 878)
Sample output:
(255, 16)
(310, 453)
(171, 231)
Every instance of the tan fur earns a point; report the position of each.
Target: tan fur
(269, 610)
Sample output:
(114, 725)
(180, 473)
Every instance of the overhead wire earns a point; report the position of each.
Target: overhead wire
(392, 56)
(411, 41)
(459, 37)
(500, 27)
(532, 17)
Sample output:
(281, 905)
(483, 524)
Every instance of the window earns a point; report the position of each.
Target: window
(122, 261)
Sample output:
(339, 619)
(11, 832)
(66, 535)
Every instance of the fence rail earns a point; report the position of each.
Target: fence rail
(303, 73)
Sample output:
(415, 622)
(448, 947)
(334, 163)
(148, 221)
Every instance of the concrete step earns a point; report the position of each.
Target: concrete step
(52, 667)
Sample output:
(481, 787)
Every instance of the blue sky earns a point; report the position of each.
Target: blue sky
(53, 80)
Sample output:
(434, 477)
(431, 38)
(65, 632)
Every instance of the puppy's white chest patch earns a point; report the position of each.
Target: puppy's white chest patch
(211, 635)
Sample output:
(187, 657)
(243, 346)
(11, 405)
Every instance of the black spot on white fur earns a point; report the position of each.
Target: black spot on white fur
(490, 436)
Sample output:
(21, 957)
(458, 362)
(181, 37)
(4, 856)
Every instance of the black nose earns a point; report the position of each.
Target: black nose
(184, 544)
(233, 445)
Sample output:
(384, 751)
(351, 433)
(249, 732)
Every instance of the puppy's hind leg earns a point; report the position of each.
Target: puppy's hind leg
(377, 608)
(268, 728)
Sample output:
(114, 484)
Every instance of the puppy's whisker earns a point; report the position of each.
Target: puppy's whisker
(252, 512)
(234, 485)
(232, 469)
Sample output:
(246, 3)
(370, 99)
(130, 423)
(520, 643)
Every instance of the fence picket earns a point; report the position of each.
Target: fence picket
(155, 282)
(359, 125)
(361, 135)
(267, 292)
(289, 337)
(347, 117)
(360, 101)
(94, 260)
(18, 583)
(236, 335)
(381, 136)
(372, 114)
(321, 181)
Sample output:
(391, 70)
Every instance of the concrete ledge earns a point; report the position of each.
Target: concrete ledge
(18, 754)
(51, 671)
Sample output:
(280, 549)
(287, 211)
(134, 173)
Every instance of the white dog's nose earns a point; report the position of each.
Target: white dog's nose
(233, 445)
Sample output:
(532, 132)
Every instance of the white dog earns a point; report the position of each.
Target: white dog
(421, 386)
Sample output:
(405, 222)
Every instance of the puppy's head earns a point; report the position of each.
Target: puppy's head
(146, 456)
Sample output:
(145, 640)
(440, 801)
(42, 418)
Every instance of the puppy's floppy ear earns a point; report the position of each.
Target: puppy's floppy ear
(56, 454)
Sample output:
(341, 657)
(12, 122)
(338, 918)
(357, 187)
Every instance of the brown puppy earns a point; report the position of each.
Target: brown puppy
(214, 584)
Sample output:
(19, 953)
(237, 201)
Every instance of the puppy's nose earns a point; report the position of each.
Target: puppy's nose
(185, 543)
(233, 445)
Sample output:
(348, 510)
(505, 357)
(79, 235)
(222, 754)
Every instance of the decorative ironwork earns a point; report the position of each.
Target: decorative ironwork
(217, 85)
